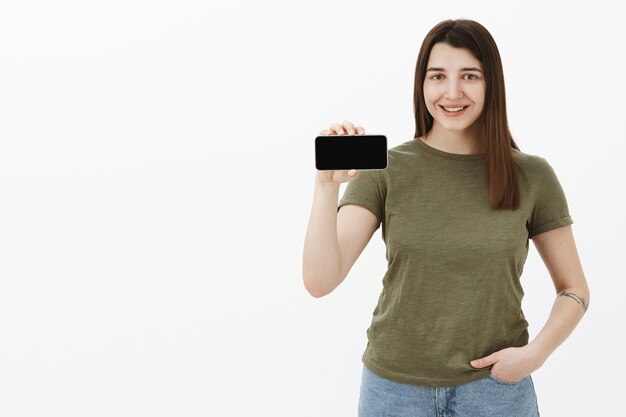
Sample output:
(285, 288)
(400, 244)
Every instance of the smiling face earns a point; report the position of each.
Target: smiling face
(454, 80)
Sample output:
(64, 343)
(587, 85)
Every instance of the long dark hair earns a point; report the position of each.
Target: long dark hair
(502, 187)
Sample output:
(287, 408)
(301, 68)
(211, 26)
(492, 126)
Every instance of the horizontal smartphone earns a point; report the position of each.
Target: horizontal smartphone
(344, 152)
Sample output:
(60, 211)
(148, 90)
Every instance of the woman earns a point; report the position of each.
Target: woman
(458, 204)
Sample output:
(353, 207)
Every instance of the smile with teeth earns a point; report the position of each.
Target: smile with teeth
(454, 109)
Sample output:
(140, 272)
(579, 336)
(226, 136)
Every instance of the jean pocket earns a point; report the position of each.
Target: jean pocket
(499, 381)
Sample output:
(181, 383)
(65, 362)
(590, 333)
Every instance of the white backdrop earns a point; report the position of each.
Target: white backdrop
(156, 180)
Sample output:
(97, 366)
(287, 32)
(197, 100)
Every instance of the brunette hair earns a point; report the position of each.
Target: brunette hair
(501, 179)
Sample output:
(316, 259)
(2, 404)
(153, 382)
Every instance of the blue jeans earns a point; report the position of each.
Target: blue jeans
(486, 397)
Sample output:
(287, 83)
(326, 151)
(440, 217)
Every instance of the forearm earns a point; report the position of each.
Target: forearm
(567, 311)
(321, 259)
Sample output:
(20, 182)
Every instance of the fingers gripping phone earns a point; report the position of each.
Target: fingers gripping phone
(345, 152)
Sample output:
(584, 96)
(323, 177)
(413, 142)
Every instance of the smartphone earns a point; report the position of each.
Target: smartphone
(344, 152)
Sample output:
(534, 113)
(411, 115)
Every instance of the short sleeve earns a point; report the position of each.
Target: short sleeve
(365, 191)
(550, 210)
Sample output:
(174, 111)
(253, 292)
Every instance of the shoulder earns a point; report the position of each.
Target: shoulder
(406, 146)
(405, 152)
(529, 160)
(532, 166)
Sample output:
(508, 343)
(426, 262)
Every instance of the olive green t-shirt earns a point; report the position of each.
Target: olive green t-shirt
(452, 290)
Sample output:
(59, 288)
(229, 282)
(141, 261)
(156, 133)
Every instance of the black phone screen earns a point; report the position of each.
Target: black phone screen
(343, 152)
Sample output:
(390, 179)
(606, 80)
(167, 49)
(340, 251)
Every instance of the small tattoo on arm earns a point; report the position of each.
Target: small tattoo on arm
(579, 300)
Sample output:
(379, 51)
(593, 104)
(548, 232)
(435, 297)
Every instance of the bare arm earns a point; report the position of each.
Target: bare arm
(334, 240)
(558, 251)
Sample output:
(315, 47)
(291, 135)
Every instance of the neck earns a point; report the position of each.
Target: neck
(465, 143)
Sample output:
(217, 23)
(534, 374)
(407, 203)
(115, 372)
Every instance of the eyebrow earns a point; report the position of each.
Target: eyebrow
(443, 70)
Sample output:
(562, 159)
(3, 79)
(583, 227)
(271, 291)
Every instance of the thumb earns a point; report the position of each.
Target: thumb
(353, 174)
(483, 362)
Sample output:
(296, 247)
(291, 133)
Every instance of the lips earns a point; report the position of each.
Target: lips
(455, 106)
(454, 113)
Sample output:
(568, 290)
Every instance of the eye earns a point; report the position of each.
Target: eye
(434, 77)
(474, 77)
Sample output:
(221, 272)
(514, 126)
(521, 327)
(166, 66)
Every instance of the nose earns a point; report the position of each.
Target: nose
(453, 89)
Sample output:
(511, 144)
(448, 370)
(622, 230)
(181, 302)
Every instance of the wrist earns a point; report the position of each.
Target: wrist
(327, 186)
(537, 353)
